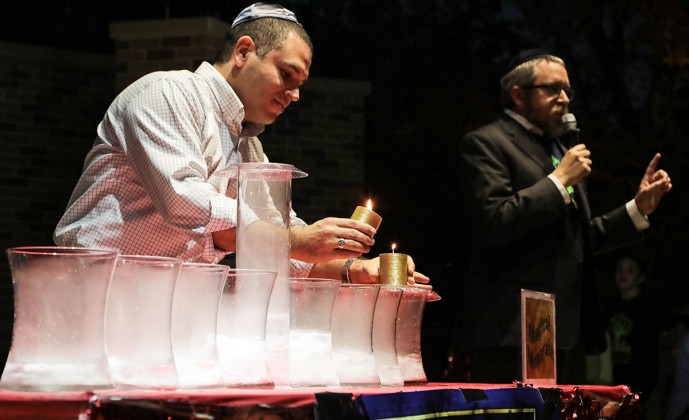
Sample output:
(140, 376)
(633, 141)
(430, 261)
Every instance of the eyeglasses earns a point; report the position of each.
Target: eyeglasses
(553, 89)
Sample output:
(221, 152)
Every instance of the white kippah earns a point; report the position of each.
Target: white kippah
(263, 10)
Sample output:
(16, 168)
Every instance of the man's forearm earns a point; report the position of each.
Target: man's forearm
(328, 270)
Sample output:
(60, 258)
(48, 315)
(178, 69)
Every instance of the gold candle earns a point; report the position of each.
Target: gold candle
(393, 268)
(367, 215)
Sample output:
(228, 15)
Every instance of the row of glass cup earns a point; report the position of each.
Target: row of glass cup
(93, 319)
(355, 335)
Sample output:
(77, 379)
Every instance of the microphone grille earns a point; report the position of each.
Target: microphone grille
(569, 121)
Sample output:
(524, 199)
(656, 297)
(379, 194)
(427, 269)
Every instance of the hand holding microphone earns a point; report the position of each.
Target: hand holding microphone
(576, 163)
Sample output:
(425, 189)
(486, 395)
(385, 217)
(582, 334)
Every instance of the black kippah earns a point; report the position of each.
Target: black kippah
(523, 56)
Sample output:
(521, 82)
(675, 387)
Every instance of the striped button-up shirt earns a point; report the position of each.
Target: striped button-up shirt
(150, 184)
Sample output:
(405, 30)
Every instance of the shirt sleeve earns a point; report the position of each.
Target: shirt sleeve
(561, 188)
(640, 221)
(163, 134)
(298, 268)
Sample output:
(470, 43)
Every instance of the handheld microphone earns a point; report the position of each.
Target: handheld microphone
(570, 130)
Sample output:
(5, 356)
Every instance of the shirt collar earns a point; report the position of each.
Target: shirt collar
(231, 108)
(250, 129)
(524, 122)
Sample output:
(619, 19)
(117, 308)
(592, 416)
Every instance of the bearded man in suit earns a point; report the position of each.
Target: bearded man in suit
(532, 225)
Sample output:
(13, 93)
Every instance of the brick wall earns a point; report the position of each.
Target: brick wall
(50, 103)
(52, 100)
(170, 44)
(323, 135)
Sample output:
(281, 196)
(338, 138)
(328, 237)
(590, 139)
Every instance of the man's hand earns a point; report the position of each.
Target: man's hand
(414, 277)
(367, 272)
(654, 184)
(226, 239)
(319, 242)
(575, 166)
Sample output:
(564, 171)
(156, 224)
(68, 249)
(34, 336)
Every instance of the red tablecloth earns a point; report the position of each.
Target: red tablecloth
(68, 405)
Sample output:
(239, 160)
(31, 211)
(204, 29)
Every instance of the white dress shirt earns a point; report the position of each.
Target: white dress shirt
(150, 184)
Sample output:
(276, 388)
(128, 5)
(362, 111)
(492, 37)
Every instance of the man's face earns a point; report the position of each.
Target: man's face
(271, 83)
(544, 106)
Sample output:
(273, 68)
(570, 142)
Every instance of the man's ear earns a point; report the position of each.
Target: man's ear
(518, 97)
(242, 49)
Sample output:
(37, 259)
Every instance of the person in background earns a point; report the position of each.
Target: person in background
(532, 225)
(151, 183)
(678, 407)
(635, 319)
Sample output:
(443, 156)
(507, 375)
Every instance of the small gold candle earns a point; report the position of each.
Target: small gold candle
(367, 215)
(393, 268)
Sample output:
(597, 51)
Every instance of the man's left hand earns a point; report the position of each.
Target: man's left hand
(654, 185)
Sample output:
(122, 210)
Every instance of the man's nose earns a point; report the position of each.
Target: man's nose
(293, 94)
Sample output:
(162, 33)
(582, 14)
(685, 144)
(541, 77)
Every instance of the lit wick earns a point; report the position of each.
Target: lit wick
(393, 268)
(367, 215)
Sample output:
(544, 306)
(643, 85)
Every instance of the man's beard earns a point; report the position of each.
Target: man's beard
(550, 126)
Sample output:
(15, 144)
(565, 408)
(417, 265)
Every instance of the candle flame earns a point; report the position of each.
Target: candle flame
(394, 246)
(369, 204)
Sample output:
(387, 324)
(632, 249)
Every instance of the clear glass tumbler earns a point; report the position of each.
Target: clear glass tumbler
(138, 322)
(241, 328)
(408, 335)
(384, 330)
(310, 334)
(264, 206)
(352, 334)
(194, 319)
(59, 304)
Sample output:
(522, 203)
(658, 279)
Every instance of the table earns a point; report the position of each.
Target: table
(432, 400)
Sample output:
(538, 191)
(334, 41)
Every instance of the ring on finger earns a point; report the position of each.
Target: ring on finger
(340, 243)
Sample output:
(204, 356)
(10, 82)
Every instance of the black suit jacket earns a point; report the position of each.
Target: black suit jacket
(525, 236)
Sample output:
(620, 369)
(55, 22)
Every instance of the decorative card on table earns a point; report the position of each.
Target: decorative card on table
(538, 338)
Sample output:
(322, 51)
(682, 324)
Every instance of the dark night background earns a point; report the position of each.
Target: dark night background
(434, 67)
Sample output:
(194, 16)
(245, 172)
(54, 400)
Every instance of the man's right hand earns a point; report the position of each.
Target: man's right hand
(574, 166)
(318, 242)
(226, 239)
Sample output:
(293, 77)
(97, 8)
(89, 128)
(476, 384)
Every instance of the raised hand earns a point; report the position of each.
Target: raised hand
(654, 184)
